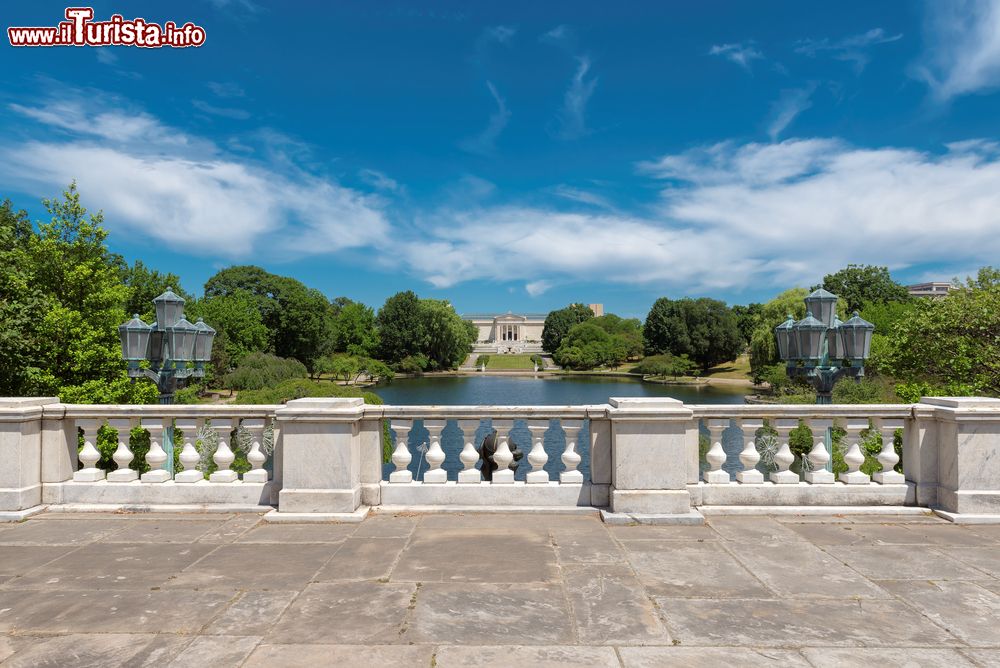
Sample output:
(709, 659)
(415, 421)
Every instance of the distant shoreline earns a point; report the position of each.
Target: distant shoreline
(739, 382)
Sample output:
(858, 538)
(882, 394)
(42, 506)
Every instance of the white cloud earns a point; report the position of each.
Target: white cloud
(735, 216)
(581, 196)
(741, 53)
(501, 34)
(790, 103)
(163, 184)
(573, 114)
(963, 48)
(106, 56)
(485, 142)
(225, 112)
(379, 180)
(226, 89)
(853, 49)
(536, 288)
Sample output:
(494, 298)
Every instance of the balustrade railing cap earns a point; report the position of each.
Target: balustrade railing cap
(26, 402)
(648, 407)
(962, 402)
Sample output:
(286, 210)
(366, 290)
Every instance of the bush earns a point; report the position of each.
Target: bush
(483, 360)
(415, 364)
(537, 359)
(666, 365)
(261, 370)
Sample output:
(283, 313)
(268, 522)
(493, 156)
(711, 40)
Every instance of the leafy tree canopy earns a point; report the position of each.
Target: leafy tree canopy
(558, 323)
(861, 284)
(703, 329)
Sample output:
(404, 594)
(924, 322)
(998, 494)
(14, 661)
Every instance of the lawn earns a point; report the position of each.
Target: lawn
(510, 362)
(738, 369)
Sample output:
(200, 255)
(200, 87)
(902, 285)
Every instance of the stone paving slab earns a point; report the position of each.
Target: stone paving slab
(506, 589)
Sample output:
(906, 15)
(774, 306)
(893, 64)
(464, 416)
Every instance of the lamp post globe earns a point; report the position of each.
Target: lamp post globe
(821, 348)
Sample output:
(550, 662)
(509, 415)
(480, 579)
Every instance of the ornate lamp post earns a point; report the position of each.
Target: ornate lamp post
(823, 349)
(169, 345)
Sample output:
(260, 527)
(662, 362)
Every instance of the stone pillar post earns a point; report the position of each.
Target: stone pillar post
(21, 456)
(651, 461)
(321, 462)
(600, 457)
(967, 440)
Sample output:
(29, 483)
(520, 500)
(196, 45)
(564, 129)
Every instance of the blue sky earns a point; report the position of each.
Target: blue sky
(522, 155)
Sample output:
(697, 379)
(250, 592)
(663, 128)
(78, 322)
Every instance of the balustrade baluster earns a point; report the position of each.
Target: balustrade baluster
(819, 456)
(888, 457)
(749, 455)
(570, 457)
(89, 455)
(401, 456)
(784, 458)
(224, 455)
(716, 456)
(157, 456)
(435, 475)
(470, 474)
(538, 457)
(123, 455)
(503, 456)
(256, 456)
(189, 454)
(854, 458)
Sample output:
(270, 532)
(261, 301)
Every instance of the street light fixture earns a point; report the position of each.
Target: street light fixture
(823, 349)
(169, 346)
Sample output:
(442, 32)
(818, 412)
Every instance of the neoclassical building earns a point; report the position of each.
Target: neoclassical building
(508, 332)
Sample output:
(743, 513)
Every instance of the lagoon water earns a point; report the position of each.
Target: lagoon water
(527, 391)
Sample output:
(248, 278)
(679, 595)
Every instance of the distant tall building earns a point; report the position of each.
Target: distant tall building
(933, 290)
(598, 309)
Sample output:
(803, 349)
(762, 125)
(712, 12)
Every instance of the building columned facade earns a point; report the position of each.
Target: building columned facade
(508, 333)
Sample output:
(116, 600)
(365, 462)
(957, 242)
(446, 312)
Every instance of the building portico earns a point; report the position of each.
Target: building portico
(508, 332)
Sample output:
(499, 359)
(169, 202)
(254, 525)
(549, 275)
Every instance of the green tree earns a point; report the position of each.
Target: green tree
(239, 325)
(354, 330)
(862, 284)
(447, 338)
(703, 329)
(298, 319)
(747, 319)
(558, 323)
(400, 325)
(950, 344)
(627, 333)
(262, 370)
(144, 284)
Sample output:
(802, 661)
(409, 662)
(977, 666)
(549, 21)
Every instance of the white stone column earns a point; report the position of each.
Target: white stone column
(649, 451)
(470, 474)
(189, 454)
(749, 455)
(123, 455)
(716, 456)
(784, 458)
(435, 475)
(503, 456)
(256, 456)
(818, 456)
(570, 457)
(854, 458)
(20, 455)
(888, 457)
(321, 455)
(156, 458)
(401, 456)
(538, 457)
(89, 454)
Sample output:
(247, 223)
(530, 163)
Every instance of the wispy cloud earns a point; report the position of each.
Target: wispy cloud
(853, 49)
(164, 184)
(790, 103)
(225, 112)
(106, 56)
(501, 34)
(581, 196)
(226, 89)
(379, 181)
(485, 142)
(741, 53)
(573, 116)
(962, 53)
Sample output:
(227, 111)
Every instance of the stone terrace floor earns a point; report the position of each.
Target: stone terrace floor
(498, 590)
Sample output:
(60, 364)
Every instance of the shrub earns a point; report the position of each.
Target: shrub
(260, 370)
(666, 365)
(415, 364)
(483, 360)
